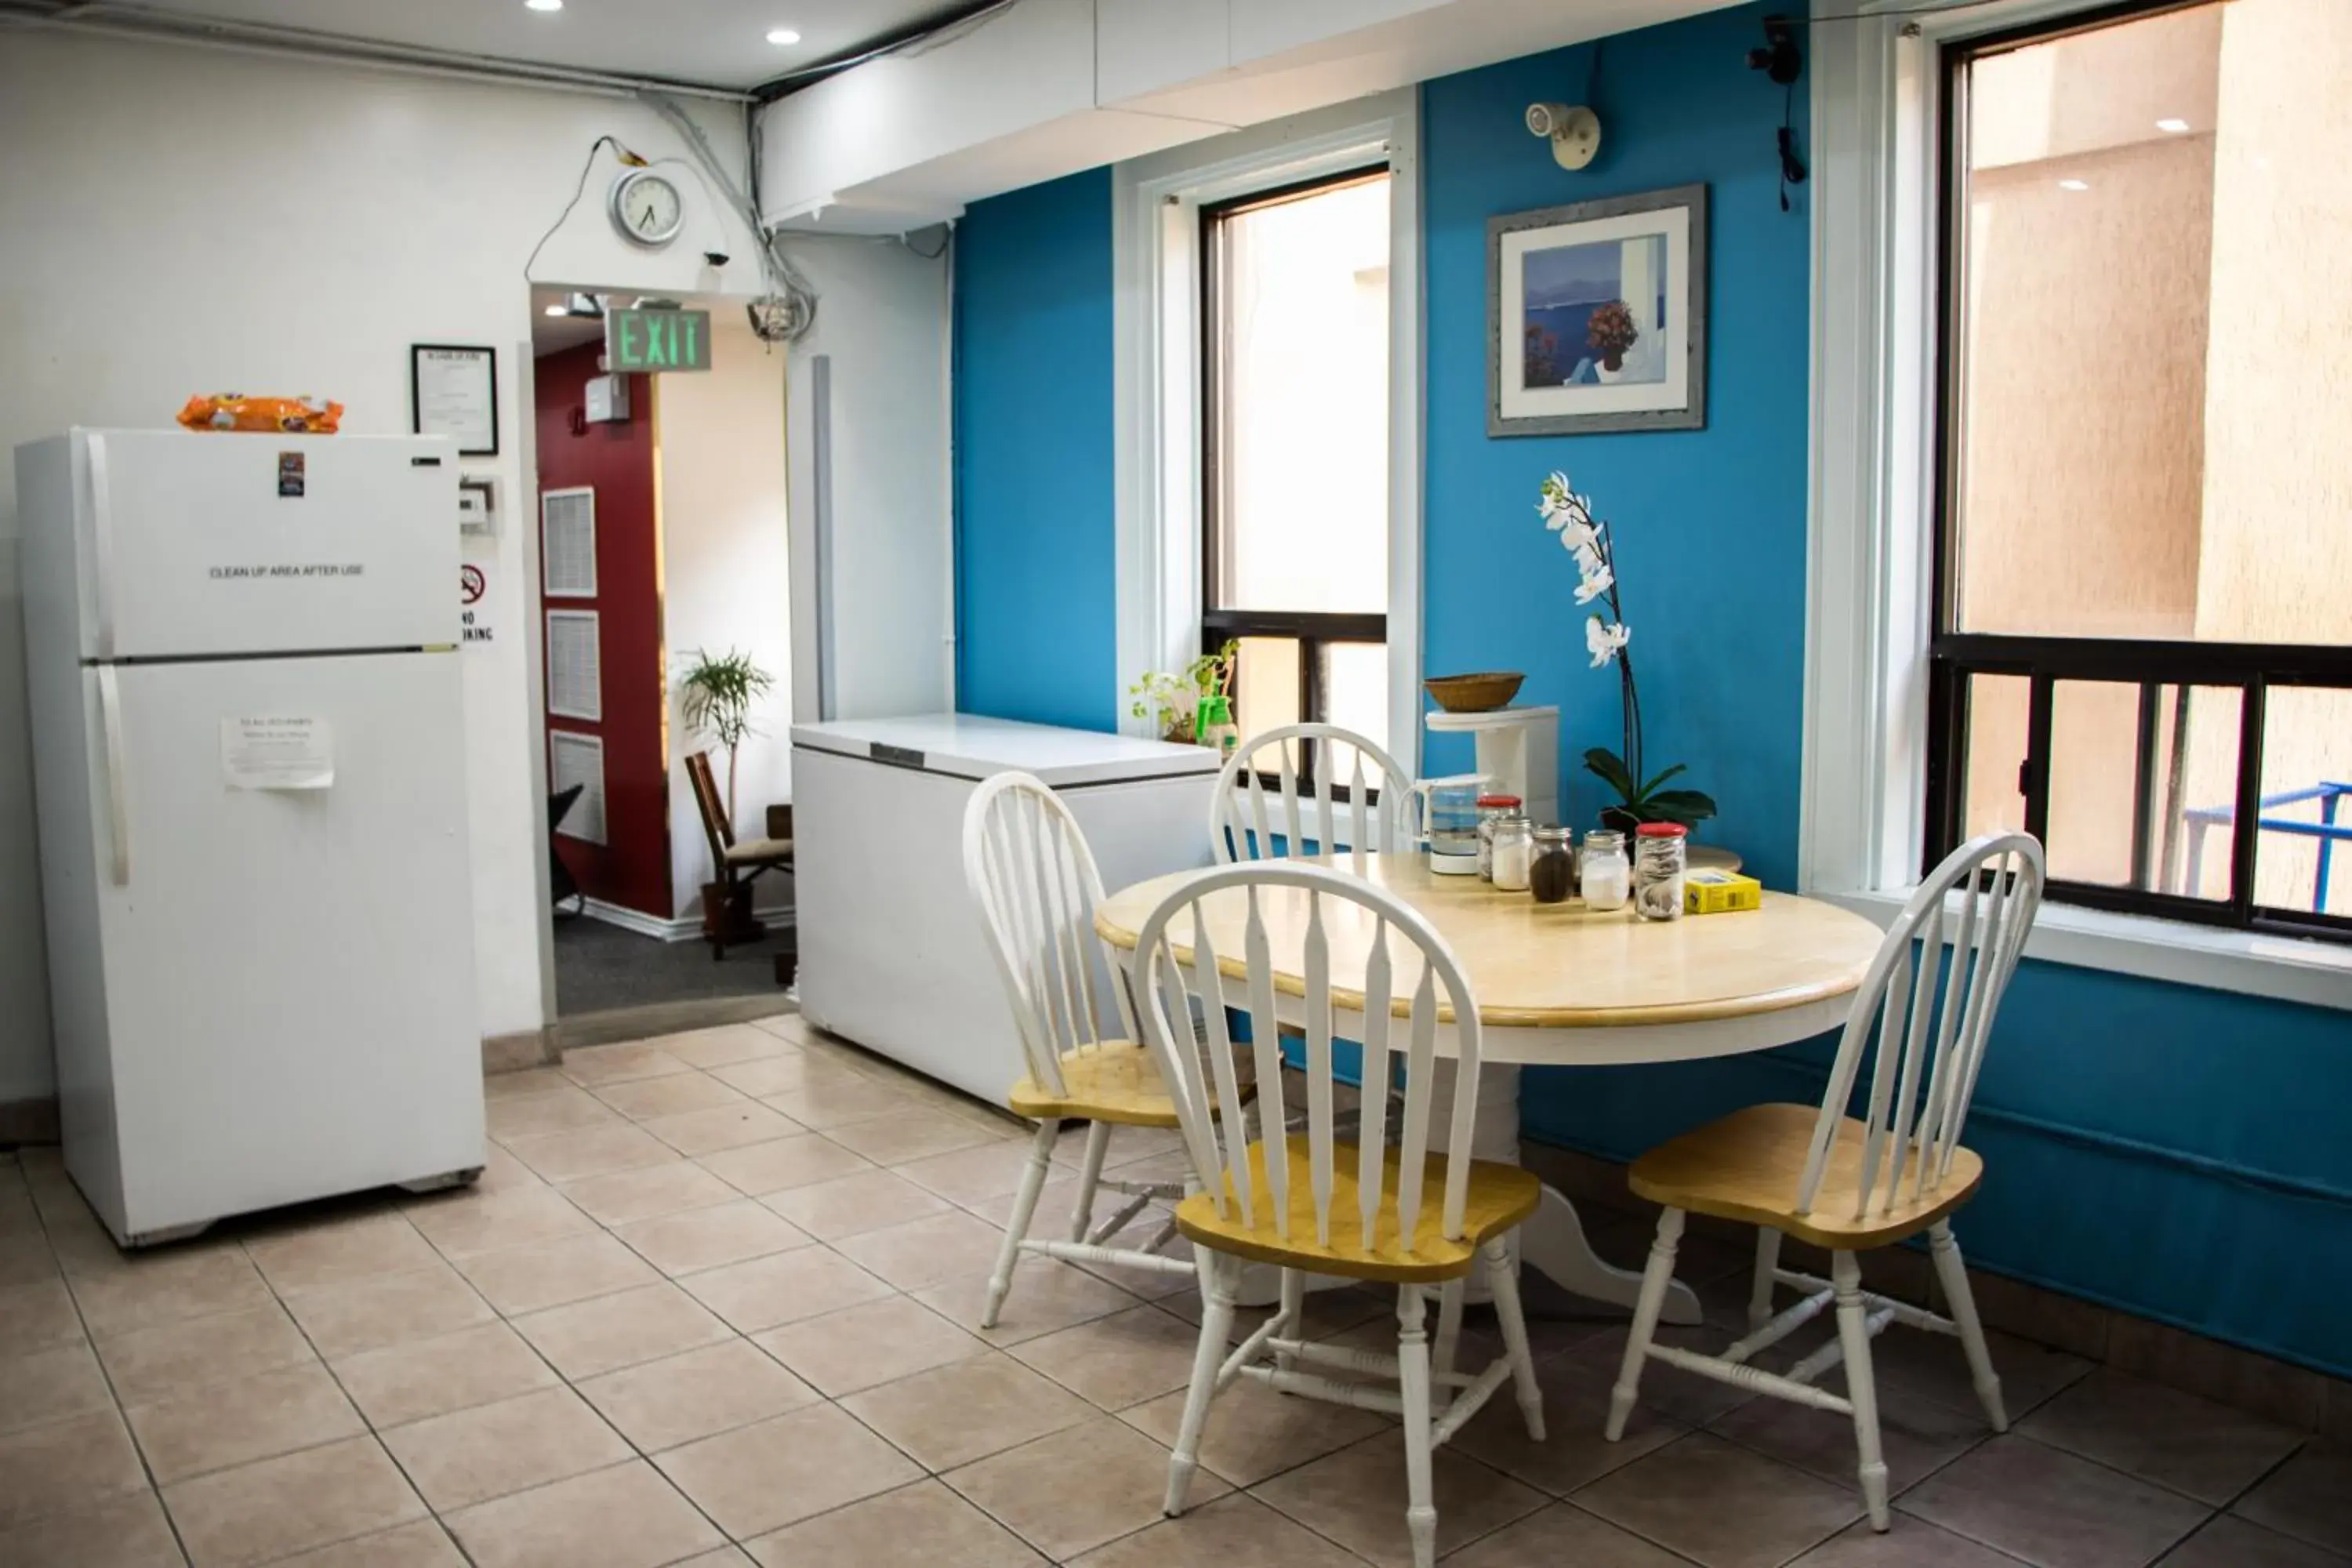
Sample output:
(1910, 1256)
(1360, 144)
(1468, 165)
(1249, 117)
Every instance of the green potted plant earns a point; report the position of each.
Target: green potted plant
(716, 695)
(1174, 700)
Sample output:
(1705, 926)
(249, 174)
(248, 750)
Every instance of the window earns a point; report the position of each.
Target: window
(1295, 450)
(2141, 648)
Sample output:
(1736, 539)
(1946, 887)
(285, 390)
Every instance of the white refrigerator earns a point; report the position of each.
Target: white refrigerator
(891, 952)
(249, 765)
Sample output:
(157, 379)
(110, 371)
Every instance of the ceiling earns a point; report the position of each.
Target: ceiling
(709, 43)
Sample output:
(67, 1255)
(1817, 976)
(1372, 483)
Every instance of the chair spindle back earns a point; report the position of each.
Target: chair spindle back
(1242, 824)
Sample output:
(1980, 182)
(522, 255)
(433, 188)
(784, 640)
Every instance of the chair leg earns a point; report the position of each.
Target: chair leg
(1760, 1295)
(1504, 1280)
(1953, 1274)
(1413, 1374)
(1208, 1358)
(1082, 1218)
(1653, 1300)
(1294, 1315)
(1449, 1337)
(1861, 1387)
(1024, 1208)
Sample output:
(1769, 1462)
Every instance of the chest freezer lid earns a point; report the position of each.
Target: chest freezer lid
(966, 746)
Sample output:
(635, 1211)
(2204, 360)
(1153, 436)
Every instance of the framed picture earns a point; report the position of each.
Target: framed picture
(453, 391)
(1596, 316)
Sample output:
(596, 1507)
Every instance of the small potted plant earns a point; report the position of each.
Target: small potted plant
(716, 695)
(1609, 332)
(1174, 700)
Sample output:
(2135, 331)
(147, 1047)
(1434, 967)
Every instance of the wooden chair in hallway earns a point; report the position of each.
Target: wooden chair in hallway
(733, 865)
(1034, 883)
(1851, 1184)
(1313, 1202)
(1326, 780)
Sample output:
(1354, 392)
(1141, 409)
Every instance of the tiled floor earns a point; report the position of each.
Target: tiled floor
(715, 1301)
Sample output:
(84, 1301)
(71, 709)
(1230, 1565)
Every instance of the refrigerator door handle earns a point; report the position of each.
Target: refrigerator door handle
(101, 535)
(118, 814)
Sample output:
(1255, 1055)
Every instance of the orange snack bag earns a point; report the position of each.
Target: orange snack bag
(283, 415)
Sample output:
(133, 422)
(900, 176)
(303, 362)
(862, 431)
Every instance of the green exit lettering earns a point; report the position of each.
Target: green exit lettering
(645, 340)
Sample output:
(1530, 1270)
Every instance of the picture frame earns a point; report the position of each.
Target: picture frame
(1596, 316)
(453, 391)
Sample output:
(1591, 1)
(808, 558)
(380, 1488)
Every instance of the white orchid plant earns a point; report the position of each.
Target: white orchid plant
(1607, 638)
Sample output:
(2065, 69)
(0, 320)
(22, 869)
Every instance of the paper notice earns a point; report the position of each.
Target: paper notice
(278, 753)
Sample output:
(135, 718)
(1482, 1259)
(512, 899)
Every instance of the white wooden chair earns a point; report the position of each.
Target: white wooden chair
(1243, 827)
(1310, 1202)
(1850, 1185)
(1034, 882)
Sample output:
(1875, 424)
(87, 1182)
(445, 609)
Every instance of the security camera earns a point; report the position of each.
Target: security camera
(715, 258)
(1573, 130)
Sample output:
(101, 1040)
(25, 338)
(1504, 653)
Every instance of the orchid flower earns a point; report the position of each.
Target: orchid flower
(1603, 641)
(1597, 579)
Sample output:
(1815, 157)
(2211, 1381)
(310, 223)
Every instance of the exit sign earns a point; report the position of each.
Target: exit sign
(639, 340)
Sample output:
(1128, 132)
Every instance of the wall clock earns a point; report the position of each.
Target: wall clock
(647, 208)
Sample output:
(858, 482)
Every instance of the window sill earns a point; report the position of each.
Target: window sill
(2287, 969)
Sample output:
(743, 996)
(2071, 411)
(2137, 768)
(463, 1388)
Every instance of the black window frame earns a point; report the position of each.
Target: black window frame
(1313, 631)
(1954, 657)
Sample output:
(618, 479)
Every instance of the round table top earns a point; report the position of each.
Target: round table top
(1552, 966)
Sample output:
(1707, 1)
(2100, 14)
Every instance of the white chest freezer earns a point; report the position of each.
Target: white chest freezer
(891, 953)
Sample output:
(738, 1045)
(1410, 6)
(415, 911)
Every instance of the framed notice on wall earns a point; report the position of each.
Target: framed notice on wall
(453, 391)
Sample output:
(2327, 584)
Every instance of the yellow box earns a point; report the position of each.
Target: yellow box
(1712, 892)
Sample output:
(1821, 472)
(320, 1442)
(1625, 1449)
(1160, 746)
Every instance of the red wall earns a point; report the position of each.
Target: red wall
(631, 868)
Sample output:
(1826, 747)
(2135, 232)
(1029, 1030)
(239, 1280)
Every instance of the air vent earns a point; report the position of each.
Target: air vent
(578, 759)
(567, 543)
(575, 687)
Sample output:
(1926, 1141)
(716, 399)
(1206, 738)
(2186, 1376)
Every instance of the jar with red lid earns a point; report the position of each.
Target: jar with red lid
(1492, 808)
(1660, 853)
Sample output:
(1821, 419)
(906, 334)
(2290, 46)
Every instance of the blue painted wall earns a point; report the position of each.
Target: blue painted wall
(2159, 1148)
(1035, 601)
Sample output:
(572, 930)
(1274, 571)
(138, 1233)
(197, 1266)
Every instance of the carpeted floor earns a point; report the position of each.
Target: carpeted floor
(600, 967)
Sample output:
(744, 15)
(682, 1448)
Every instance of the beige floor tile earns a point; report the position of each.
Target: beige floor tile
(518, 1279)
(1078, 1490)
(1560, 1534)
(488, 1222)
(1055, 1204)
(720, 1128)
(124, 1532)
(1235, 1532)
(169, 1286)
(757, 1170)
(25, 1257)
(1573, 1452)
(39, 1314)
(160, 1364)
(235, 1422)
(472, 1455)
(50, 1385)
(627, 1517)
(595, 1066)
(826, 1100)
(873, 1343)
(2229, 1542)
(767, 1292)
(782, 1074)
(2309, 1498)
(926, 1252)
(277, 1507)
(1684, 1396)
(1045, 1296)
(559, 1110)
(851, 1205)
(725, 1045)
(662, 1404)
(896, 1139)
(788, 1026)
(924, 1523)
(761, 1478)
(421, 1544)
(388, 1310)
(712, 1237)
(642, 1099)
(1119, 1360)
(2051, 1507)
(1917, 1435)
(339, 1251)
(970, 1176)
(725, 1557)
(608, 1332)
(430, 1377)
(2161, 1435)
(1253, 1433)
(1718, 1504)
(1934, 1365)
(590, 1152)
(1357, 1498)
(967, 1410)
(627, 1196)
(1910, 1543)
(527, 1080)
(66, 1465)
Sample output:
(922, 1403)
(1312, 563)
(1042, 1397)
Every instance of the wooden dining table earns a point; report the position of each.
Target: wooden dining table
(1556, 985)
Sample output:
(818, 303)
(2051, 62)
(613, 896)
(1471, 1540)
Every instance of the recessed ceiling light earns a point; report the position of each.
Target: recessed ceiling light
(782, 36)
(2175, 126)
(2074, 184)
(554, 311)
(544, 5)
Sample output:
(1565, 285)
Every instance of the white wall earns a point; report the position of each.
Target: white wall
(175, 220)
(726, 572)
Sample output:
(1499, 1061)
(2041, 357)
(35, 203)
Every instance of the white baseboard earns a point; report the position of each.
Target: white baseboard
(686, 927)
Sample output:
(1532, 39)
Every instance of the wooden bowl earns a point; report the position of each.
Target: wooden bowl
(1480, 693)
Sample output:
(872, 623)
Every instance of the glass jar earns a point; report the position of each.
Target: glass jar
(1492, 808)
(1551, 875)
(1659, 854)
(1604, 873)
(1451, 819)
(1514, 853)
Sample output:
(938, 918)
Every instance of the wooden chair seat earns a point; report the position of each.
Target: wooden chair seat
(1112, 1080)
(1747, 1167)
(760, 852)
(1499, 1197)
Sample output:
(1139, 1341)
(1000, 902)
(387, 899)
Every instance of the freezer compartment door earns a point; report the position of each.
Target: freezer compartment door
(288, 949)
(232, 543)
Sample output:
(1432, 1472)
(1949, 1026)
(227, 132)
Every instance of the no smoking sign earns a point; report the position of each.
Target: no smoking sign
(473, 621)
